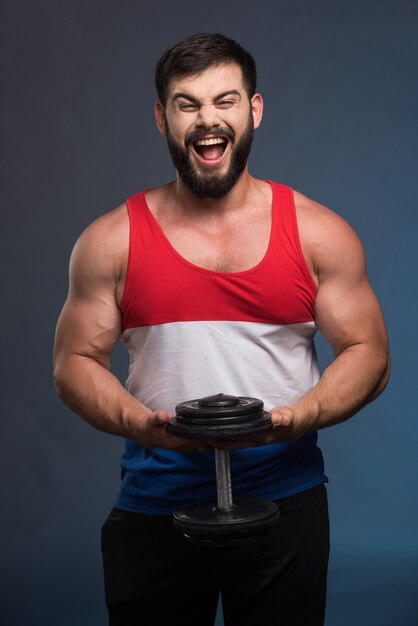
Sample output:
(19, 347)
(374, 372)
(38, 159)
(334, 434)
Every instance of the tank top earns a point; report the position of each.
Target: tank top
(193, 332)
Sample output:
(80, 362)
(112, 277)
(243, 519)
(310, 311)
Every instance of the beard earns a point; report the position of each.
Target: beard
(211, 184)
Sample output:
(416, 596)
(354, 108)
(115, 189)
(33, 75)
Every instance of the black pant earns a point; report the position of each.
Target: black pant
(153, 576)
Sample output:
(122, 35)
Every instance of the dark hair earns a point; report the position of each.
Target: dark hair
(199, 52)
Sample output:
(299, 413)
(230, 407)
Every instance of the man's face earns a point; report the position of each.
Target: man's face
(209, 123)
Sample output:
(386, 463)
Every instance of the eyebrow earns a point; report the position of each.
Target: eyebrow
(186, 96)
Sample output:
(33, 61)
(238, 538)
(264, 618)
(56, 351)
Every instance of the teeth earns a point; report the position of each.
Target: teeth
(210, 142)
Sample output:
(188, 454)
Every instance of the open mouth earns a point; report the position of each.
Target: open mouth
(211, 149)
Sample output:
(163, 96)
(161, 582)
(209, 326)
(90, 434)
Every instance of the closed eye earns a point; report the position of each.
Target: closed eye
(225, 104)
(189, 106)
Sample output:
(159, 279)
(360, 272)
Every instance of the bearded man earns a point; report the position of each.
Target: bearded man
(217, 282)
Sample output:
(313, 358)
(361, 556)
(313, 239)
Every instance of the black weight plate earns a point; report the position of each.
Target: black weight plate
(203, 523)
(216, 430)
(220, 399)
(193, 408)
(229, 419)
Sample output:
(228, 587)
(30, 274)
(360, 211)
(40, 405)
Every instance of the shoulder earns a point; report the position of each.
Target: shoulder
(108, 228)
(328, 241)
(318, 222)
(103, 246)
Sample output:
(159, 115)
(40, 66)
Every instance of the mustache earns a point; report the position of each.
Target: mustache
(195, 135)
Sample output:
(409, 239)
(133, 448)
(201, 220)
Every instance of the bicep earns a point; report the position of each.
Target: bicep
(347, 310)
(87, 327)
(90, 322)
(348, 315)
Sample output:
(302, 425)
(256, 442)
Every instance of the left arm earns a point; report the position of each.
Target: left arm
(349, 316)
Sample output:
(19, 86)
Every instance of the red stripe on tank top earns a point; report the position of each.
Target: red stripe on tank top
(163, 287)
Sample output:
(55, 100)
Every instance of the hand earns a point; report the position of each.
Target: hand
(153, 433)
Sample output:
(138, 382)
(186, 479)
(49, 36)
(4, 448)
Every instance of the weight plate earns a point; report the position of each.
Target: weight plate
(220, 405)
(217, 429)
(220, 399)
(203, 523)
(219, 416)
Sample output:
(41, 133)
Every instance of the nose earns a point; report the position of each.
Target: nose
(208, 116)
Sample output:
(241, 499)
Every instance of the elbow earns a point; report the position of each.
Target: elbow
(386, 371)
(58, 376)
(58, 384)
(383, 369)
(63, 380)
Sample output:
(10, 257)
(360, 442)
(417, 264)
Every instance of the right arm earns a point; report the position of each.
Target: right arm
(88, 329)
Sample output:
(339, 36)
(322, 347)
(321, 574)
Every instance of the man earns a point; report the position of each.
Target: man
(217, 282)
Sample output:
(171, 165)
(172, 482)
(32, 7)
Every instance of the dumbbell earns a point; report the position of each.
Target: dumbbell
(228, 521)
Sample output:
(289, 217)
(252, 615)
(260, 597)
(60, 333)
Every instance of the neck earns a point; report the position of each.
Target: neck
(236, 198)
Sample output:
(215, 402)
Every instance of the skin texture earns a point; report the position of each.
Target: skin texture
(215, 234)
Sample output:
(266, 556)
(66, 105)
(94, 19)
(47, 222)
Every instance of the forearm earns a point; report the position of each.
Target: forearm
(357, 376)
(95, 394)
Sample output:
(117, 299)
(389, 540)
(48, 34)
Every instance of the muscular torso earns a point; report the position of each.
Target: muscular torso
(229, 243)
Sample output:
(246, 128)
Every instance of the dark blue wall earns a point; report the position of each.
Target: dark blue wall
(340, 86)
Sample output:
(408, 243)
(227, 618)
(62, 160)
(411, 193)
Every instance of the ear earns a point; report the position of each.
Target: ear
(159, 113)
(257, 109)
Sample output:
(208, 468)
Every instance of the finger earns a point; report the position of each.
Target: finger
(158, 418)
(281, 417)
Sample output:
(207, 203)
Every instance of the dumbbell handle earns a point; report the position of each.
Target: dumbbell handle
(223, 480)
